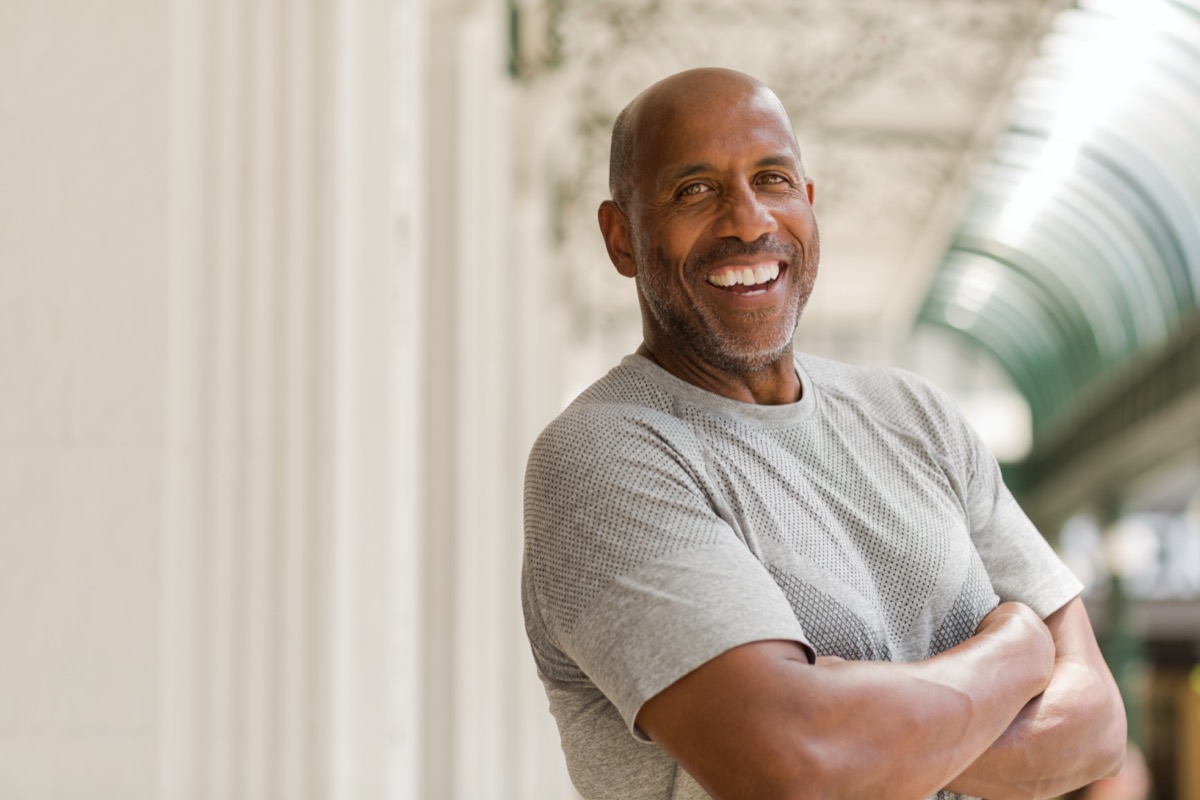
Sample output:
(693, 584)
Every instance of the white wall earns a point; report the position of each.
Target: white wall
(82, 328)
(275, 337)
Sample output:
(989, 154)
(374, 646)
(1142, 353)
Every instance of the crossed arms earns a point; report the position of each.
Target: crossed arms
(1024, 709)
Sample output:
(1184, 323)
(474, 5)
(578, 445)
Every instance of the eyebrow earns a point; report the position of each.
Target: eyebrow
(777, 161)
(688, 170)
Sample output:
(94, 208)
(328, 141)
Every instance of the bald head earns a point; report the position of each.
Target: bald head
(708, 90)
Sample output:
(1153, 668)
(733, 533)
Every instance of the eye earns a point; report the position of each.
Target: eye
(775, 179)
(693, 189)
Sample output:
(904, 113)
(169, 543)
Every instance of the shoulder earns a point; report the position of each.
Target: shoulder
(621, 415)
(888, 390)
(616, 482)
(899, 400)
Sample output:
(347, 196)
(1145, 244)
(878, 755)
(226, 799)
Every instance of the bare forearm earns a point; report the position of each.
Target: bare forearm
(849, 729)
(938, 716)
(1069, 736)
(1072, 734)
(917, 715)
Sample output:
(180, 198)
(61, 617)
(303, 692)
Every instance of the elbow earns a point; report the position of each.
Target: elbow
(1109, 743)
(1115, 764)
(1109, 739)
(1111, 750)
(1113, 742)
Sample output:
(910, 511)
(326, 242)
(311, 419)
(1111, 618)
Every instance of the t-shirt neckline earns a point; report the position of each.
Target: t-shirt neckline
(766, 416)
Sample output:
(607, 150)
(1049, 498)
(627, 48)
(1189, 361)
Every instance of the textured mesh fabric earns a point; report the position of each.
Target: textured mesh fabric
(665, 525)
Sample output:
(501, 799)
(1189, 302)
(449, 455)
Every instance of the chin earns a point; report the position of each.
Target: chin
(744, 361)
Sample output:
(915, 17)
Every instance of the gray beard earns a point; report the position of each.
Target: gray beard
(715, 345)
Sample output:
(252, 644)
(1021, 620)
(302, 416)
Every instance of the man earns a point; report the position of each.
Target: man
(757, 574)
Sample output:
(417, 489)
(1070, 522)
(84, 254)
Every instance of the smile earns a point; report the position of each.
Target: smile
(754, 279)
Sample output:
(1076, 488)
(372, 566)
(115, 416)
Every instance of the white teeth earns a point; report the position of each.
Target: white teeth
(745, 276)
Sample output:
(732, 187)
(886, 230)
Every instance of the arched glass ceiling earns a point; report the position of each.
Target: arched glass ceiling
(1080, 244)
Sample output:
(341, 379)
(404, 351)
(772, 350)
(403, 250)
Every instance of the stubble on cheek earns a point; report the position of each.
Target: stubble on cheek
(692, 325)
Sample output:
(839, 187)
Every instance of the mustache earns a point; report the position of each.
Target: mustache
(735, 248)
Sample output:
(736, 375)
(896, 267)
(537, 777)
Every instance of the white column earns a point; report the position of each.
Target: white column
(539, 325)
(488, 318)
(83, 103)
(409, 176)
(282, 438)
(357, 369)
(483, 483)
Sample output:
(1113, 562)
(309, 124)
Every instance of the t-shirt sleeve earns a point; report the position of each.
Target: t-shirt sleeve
(629, 571)
(1020, 562)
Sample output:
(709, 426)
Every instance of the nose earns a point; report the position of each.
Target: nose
(745, 216)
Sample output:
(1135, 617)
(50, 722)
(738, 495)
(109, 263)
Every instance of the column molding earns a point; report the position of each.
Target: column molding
(358, 365)
(488, 387)
(280, 524)
(408, 607)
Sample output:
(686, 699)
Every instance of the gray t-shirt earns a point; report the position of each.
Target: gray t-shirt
(665, 525)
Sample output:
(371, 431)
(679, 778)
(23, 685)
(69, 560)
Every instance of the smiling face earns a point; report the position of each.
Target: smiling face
(716, 225)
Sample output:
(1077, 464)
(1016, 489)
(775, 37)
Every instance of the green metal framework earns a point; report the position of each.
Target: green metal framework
(1077, 259)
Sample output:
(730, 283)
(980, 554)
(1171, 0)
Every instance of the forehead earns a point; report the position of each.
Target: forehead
(720, 130)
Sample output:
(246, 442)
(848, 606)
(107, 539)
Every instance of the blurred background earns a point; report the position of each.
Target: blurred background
(288, 288)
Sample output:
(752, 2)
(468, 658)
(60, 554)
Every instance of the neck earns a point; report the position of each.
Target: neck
(776, 384)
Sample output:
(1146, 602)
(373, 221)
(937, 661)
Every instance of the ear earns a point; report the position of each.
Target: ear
(808, 185)
(614, 226)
